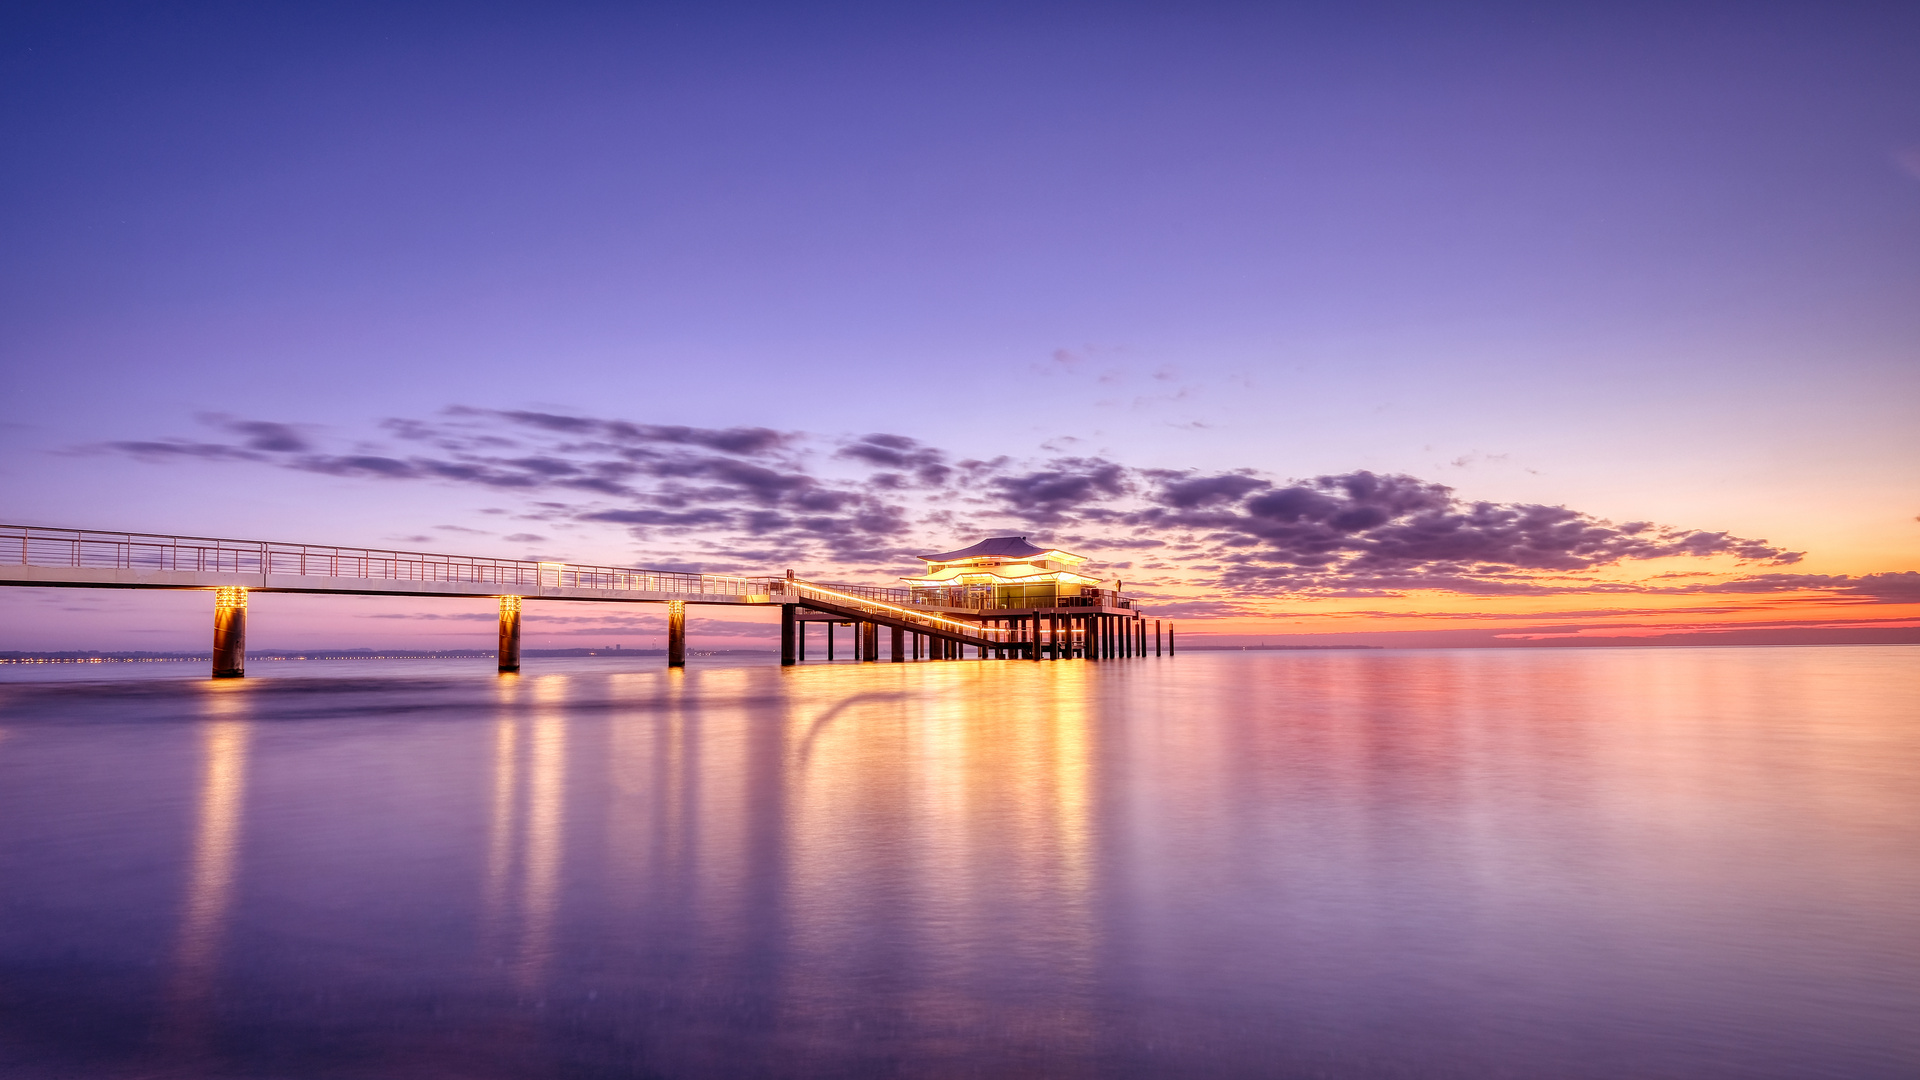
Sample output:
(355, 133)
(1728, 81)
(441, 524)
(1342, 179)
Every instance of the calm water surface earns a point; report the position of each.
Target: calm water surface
(1547, 863)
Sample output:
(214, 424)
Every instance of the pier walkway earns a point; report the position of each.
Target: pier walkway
(932, 625)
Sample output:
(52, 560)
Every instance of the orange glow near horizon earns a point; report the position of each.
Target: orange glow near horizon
(1658, 599)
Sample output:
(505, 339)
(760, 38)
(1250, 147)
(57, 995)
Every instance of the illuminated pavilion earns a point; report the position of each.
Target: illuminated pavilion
(1006, 572)
(1031, 601)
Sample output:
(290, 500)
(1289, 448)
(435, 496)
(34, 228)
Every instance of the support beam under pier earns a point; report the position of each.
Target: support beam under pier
(676, 633)
(229, 632)
(509, 654)
(789, 649)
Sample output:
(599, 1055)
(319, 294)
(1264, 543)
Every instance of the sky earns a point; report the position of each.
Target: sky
(1411, 324)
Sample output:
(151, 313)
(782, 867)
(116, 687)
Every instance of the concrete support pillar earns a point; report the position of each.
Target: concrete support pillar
(800, 640)
(509, 654)
(229, 633)
(1169, 639)
(899, 646)
(869, 642)
(829, 641)
(1156, 637)
(676, 633)
(789, 636)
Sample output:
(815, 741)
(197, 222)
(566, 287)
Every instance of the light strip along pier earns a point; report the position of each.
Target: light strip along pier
(923, 625)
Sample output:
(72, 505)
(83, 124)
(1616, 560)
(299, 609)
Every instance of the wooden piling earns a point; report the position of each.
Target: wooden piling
(229, 632)
(676, 633)
(509, 654)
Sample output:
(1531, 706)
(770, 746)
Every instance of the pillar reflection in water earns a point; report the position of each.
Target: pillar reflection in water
(500, 830)
(213, 864)
(526, 839)
(545, 827)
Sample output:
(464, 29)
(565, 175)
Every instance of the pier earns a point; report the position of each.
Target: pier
(1002, 599)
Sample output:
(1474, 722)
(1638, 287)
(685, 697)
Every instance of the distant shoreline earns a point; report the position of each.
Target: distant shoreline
(1274, 648)
(90, 657)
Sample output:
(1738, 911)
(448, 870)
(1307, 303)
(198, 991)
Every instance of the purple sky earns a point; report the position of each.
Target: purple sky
(1652, 262)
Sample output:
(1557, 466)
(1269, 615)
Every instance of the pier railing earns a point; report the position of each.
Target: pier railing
(88, 550)
(850, 598)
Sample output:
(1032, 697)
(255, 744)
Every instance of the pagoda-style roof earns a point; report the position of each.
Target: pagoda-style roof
(1002, 547)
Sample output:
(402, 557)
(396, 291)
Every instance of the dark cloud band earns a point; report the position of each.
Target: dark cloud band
(744, 495)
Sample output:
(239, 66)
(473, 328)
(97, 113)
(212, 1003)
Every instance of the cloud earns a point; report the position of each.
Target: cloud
(1203, 609)
(1049, 494)
(1899, 587)
(898, 452)
(1363, 533)
(741, 498)
(1183, 492)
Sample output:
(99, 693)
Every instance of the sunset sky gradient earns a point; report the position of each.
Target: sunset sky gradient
(1386, 323)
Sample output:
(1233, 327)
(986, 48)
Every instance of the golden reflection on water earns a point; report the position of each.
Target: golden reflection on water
(212, 864)
(545, 827)
(500, 831)
(526, 837)
(971, 787)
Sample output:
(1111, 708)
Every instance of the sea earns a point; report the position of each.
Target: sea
(1528, 863)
